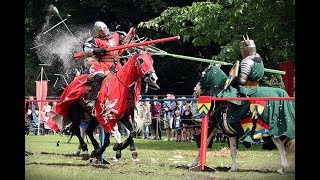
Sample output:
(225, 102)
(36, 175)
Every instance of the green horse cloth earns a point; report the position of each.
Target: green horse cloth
(274, 117)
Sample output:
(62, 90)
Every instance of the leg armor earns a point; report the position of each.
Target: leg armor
(96, 85)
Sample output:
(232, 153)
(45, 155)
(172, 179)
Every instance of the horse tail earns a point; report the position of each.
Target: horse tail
(137, 120)
(290, 146)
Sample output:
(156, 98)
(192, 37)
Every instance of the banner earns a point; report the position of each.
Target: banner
(287, 78)
(41, 92)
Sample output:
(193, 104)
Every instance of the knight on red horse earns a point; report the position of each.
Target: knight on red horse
(115, 87)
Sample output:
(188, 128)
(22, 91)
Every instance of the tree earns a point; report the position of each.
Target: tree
(224, 22)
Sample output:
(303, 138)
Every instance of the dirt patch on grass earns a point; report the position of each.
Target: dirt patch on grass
(223, 152)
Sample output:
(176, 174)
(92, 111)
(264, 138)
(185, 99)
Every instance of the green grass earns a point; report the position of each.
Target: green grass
(157, 160)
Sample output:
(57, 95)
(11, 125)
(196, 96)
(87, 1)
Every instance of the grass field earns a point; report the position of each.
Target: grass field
(157, 160)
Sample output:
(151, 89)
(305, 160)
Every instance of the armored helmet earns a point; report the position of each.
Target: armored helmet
(247, 47)
(101, 29)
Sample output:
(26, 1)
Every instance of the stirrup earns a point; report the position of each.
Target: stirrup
(91, 103)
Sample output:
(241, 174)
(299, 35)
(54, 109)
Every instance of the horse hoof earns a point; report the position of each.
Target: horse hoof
(99, 160)
(115, 159)
(77, 153)
(118, 154)
(134, 154)
(85, 157)
(95, 153)
(115, 147)
(280, 171)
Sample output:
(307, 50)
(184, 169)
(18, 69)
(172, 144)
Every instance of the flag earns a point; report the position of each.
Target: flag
(257, 107)
(261, 128)
(287, 78)
(41, 93)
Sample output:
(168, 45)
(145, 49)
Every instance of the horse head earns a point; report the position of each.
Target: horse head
(211, 82)
(146, 70)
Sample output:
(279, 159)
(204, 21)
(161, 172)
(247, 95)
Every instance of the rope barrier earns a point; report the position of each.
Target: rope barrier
(224, 99)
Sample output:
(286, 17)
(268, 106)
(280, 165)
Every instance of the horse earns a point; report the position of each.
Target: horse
(116, 101)
(248, 122)
(80, 111)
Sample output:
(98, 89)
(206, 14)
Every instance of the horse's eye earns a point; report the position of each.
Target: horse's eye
(140, 61)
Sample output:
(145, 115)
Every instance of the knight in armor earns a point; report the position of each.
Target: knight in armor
(106, 61)
(251, 72)
(251, 66)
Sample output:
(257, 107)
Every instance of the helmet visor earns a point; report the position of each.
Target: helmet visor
(103, 32)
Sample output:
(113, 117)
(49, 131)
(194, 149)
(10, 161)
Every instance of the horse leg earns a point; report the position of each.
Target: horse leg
(75, 129)
(197, 159)
(129, 140)
(89, 131)
(79, 147)
(117, 136)
(233, 150)
(74, 113)
(283, 159)
(97, 153)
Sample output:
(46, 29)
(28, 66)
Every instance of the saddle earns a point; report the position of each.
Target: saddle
(89, 80)
(220, 116)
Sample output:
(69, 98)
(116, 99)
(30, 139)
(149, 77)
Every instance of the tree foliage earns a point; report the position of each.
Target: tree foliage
(208, 29)
(270, 23)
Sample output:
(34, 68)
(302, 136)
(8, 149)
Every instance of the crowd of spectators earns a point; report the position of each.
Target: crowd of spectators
(179, 120)
(36, 118)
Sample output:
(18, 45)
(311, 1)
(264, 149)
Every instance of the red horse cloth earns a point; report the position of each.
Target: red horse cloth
(75, 90)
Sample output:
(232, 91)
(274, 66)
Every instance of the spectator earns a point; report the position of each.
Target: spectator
(35, 122)
(27, 122)
(176, 126)
(32, 105)
(44, 116)
(123, 130)
(155, 109)
(169, 107)
(146, 118)
(167, 120)
(186, 119)
(179, 106)
(196, 116)
(45, 126)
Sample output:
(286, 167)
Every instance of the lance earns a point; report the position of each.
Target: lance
(81, 54)
(163, 53)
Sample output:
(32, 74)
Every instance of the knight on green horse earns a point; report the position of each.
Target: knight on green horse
(252, 121)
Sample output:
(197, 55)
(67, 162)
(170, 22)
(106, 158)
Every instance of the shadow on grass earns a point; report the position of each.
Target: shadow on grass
(226, 169)
(60, 154)
(172, 145)
(69, 164)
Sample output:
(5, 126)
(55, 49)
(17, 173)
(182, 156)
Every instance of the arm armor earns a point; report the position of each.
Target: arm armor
(88, 47)
(245, 69)
(122, 35)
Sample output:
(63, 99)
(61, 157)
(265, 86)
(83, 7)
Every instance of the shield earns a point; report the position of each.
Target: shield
(232, 74)
(204, 104)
